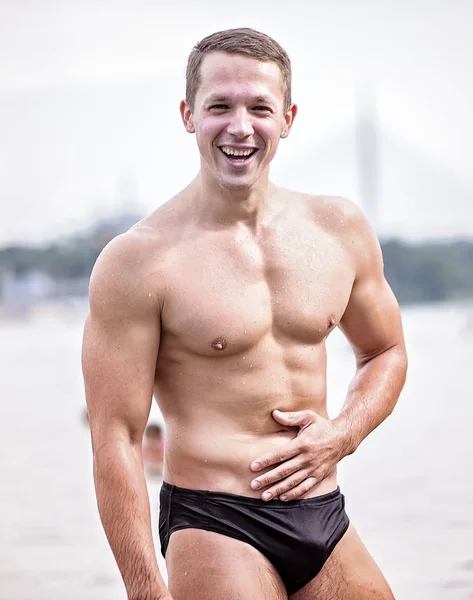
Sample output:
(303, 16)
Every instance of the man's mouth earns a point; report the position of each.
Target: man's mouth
(238, 154)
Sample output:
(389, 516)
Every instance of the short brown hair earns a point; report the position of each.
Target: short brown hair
(238, 41)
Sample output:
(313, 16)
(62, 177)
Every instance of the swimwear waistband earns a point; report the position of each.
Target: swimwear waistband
(173, 490)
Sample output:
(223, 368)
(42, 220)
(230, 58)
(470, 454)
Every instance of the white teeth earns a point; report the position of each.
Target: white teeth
(233, 152)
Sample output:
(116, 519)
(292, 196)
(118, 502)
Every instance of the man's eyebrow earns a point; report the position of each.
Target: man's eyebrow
(263, 100)
(223, 99)
(218, 99)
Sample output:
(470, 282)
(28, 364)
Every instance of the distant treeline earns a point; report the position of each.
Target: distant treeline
(427, 272)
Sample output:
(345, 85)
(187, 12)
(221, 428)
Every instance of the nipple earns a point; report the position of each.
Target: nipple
(331, 321)
(219, 343)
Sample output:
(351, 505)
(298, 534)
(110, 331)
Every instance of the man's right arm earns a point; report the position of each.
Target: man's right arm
(120, 347)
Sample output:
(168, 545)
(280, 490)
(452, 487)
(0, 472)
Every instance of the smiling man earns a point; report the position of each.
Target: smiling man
(220, 303)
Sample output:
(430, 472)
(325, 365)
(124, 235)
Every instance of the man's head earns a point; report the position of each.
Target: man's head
(245, 41)
(238, 103)
(153, 432)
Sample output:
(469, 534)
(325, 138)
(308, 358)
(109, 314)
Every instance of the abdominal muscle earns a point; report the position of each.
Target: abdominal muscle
(212, 441)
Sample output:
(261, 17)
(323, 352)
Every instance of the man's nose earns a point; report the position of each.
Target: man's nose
(240, 124)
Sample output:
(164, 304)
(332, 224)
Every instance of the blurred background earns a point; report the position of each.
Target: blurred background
(91, 141)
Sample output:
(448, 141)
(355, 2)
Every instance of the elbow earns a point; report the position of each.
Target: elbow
(114, 444)
(395, 354)
(399, 367)
(398, 363)
(402, 360)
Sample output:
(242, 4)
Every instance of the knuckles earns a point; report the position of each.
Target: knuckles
(308, 446)
(285, 472)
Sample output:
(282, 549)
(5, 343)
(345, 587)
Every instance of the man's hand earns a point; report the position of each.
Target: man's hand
(304, 461)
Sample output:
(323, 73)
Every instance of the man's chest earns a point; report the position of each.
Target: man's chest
(233, 292)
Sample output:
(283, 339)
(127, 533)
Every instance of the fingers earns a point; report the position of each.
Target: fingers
(286, 452)
(299, 490)
(280, 472)
(291, 488)
(299, 418)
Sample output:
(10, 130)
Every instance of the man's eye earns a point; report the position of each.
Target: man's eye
(218, 107)
(262, 109)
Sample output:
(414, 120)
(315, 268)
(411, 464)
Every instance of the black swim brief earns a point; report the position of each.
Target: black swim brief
(296, 536)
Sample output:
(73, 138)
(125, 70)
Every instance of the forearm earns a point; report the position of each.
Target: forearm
(372, 396)
(123, 504)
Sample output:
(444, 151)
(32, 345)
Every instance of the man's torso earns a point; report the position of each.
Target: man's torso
(243, 327)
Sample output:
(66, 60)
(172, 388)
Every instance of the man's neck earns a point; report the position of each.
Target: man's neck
(226, 207)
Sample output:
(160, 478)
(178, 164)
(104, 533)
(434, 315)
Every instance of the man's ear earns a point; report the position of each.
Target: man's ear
(289, 120)
(186, 115)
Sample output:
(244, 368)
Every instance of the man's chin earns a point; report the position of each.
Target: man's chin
(237, 184)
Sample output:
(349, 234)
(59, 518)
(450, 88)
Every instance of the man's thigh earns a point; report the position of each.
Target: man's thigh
(209, 566)
(349, 573)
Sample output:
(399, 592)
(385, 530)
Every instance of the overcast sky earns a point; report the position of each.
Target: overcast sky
(89, 95)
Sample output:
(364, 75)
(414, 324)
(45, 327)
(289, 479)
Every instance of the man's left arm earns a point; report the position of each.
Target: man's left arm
(372, 325)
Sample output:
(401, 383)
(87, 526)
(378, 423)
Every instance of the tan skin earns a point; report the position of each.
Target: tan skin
(219, 304)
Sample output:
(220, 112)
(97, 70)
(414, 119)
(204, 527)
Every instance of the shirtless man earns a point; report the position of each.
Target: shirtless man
(219, 303)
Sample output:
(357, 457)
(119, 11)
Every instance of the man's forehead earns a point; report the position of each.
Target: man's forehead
(222, 68)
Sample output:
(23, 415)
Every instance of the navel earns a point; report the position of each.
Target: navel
(219, 344)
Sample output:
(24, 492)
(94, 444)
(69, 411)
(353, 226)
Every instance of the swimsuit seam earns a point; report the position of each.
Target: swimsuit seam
(223, 497)
(168, 519)
(343, 530)
(271, 506)
(205, 527)
(169, 506)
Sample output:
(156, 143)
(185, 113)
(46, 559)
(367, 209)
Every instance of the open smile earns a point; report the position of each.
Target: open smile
(238, 156)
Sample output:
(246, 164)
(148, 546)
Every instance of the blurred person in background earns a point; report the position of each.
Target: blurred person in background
(84, 417)
(219, 304)
(153, 450)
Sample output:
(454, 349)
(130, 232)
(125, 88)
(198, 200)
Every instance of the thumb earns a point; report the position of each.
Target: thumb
(299, 418)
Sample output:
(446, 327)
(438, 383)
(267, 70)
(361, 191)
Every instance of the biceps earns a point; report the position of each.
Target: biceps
(372, 320)
(119, 363)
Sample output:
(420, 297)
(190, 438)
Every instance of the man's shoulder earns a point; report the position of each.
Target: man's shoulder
(335, 210)
(336, 214)
(133, 263)
(120, 271)
(344, 221)
(132, 249)
(146, 242)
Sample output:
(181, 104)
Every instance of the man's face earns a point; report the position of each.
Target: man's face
(238, 117)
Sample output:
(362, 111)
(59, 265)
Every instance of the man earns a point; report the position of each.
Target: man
(153, 446)
(220, 303)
